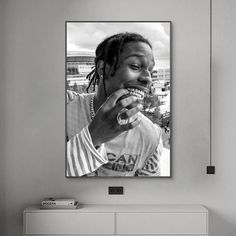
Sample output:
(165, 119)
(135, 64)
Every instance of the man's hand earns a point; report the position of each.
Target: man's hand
(105, 126)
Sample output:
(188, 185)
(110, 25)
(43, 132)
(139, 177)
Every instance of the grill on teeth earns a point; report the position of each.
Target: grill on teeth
(136, 92)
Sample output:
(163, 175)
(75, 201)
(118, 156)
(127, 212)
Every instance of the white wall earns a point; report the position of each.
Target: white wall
(33, 124)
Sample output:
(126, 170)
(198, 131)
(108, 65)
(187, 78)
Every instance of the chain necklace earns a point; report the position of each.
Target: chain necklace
(92, 112)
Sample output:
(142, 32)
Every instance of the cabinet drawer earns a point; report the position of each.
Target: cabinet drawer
(69, 223)
(163, 223)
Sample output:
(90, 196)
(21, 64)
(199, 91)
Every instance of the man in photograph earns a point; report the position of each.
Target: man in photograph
(107, 135)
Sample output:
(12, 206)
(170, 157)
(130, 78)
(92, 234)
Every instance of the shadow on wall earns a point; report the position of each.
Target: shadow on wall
(220, 226)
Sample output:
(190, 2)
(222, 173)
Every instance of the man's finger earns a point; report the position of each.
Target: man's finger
(127, 113)
(113, 98)
(128, 103)
(131, 125)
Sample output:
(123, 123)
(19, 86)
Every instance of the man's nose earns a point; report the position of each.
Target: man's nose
(145, 78)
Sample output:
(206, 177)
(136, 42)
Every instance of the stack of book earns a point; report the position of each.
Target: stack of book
(59, 203)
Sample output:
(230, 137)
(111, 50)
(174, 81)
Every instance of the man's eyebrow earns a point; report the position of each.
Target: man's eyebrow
(135, 55)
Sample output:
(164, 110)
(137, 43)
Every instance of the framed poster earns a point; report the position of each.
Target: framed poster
(118, 92)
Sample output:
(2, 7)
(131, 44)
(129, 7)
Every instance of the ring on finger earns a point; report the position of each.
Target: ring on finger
(119, 119)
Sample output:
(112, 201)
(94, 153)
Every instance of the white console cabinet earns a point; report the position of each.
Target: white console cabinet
(161, 220)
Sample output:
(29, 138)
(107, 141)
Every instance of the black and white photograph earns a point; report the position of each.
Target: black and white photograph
(118, 92)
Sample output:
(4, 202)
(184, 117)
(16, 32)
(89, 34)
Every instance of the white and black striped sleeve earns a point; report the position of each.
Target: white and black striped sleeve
(82, 157)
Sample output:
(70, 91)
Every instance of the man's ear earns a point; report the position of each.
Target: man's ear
(100, 69)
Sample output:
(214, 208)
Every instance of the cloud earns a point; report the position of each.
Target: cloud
(87, 35)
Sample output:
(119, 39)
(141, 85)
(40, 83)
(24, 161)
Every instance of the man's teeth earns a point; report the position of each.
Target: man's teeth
(136, 92)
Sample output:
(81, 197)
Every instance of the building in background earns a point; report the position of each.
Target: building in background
(78, 65)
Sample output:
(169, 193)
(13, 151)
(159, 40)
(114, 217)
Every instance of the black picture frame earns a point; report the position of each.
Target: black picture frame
(71, 73)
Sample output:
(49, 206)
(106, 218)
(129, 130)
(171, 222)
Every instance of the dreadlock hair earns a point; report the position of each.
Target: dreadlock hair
(109, 52)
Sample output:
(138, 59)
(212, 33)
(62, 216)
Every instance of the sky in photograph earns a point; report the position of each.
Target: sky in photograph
(86, 36)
